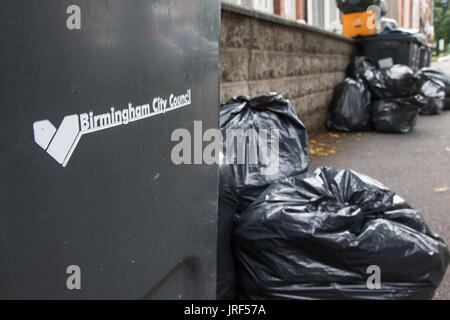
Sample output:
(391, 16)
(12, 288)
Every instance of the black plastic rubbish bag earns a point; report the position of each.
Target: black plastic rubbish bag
(434, 93)
(359, 66)
(395, 115)
(318, 236)
(436, 74)
(241, 182)
(350, 6)
(350, 109)
(394, 82)
(271, 113)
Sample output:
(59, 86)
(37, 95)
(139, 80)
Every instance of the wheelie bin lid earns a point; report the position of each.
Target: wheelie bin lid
(397, 35)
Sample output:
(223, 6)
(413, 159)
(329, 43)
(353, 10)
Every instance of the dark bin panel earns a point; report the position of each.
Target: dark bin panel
(138, 226)
(401, 47)
(429, 57)
(425, 57)
(423, 54)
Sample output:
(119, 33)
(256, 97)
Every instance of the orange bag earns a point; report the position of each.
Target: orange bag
(359, 24)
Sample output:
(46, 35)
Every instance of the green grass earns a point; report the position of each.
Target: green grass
(443, 54)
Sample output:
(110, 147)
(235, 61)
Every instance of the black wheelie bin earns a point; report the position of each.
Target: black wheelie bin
(393, 47)
(92, 205)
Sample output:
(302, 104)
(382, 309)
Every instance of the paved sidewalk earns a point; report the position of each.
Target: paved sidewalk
(416, 166)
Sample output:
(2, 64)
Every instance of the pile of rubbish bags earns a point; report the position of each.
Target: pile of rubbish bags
(317, 235)
(396, 97)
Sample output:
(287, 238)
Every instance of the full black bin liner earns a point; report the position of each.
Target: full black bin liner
(350, 108)
(434, 93)
(350, 6)
(315, 235)
(436, 74)
(359, 66)
(397, 81)
(241, 184)
(447, 103)
(395, 115)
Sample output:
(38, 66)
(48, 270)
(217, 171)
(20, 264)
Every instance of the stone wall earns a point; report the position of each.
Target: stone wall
(262, 52)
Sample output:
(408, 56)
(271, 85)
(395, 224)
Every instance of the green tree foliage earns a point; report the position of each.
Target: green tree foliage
(442, 24)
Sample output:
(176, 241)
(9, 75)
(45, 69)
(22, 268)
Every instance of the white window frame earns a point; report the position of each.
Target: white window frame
(310, 13)
(262, 5)
(326, 8)
(238, 2)
(290, 9)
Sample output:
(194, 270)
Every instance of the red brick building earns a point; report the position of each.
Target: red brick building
(410, 14)
(280, 8)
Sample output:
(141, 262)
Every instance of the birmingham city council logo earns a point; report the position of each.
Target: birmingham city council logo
(60, 143)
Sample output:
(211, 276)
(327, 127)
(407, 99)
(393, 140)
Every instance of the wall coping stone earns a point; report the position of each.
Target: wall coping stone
(256, 14)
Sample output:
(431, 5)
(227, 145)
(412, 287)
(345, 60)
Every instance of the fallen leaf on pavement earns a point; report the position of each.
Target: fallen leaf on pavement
(441, 190)
(447, 149)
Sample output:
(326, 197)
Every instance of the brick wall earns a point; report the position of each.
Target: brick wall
(278, 7)
(261, 53)
(301, 8)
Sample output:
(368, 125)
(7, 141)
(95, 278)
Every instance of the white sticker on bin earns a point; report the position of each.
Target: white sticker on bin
(60, 143)
(386, 63)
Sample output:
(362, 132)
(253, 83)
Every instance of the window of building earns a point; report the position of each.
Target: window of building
(323, 14)
(334, 11)
(316, 13)
(263, 5)
(238, 2)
